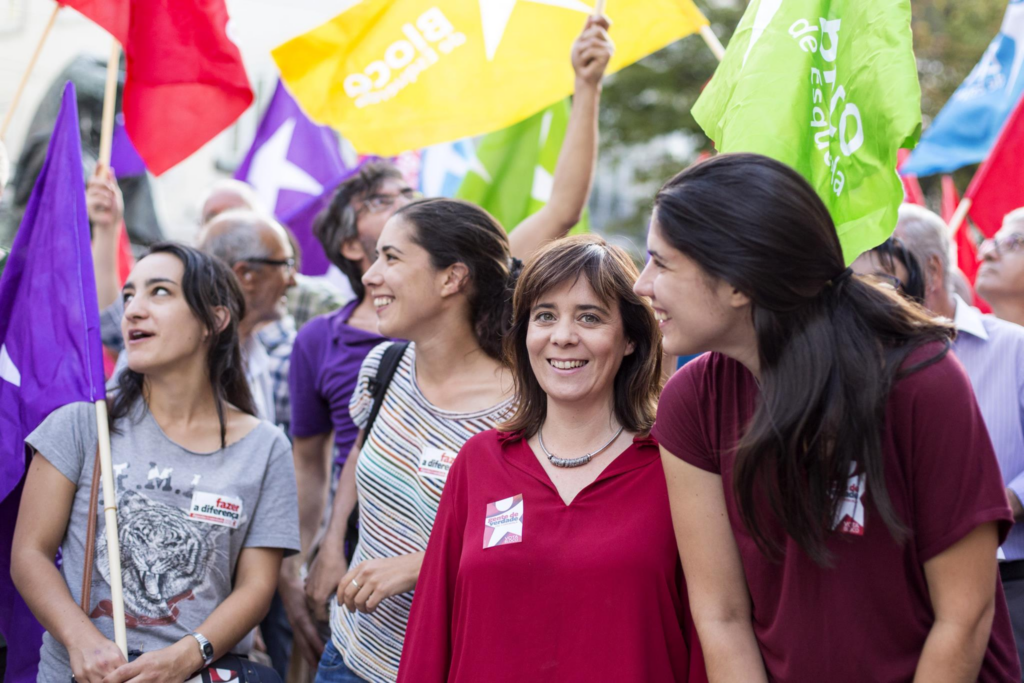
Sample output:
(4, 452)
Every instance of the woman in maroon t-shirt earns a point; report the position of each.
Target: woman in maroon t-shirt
(552, 558)
(835, 496)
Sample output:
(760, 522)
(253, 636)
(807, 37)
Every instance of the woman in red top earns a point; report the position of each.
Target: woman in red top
(834, 492)
(552, 557)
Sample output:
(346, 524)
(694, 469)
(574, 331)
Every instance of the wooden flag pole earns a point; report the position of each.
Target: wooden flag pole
(599, 8)
(961, 213)
(110, 103)
(28, 72)
(110, 518)
(717, 49)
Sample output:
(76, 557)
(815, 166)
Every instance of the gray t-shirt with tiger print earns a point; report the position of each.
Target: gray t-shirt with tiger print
(183, 519)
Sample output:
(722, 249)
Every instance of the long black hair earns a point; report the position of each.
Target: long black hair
(454, 231)
(207, 284)
(830, 346)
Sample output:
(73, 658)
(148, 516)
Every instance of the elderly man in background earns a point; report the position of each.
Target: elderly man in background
(992, 352)
(311, 296)
(1001, 275)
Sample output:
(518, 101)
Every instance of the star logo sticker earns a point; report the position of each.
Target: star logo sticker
(271, 171)
(495, 14)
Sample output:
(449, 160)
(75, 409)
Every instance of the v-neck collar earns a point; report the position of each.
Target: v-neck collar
(517, 452)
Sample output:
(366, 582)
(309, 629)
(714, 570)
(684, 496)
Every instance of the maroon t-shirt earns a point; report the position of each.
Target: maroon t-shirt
(867, 618)
(518, 587)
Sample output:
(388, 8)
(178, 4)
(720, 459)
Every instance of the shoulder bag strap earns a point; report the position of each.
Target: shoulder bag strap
(385, 372)
(90, 533)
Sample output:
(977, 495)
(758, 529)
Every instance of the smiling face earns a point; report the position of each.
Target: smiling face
(695, 312)
(576, 343)
(403, 284)
(159, 328)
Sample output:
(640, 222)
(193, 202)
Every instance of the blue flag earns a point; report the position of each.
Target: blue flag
(965, 130)
(50, 353)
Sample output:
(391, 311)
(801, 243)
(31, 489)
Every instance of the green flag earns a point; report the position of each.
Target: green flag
(515, 167)
(830, 88)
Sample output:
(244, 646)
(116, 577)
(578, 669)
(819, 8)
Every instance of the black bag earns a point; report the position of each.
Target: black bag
(378, 388)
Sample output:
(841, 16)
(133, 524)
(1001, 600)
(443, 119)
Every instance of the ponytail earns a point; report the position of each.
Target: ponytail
(454, 231)
(830, 344)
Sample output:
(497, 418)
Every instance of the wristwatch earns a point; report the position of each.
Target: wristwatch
(205, 648)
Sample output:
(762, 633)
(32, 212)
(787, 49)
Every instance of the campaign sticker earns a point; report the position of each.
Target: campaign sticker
(504, 522)
(435, 463)
(214, 508)
(850, 514)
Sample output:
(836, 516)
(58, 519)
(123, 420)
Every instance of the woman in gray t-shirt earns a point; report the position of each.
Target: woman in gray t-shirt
(206, 498)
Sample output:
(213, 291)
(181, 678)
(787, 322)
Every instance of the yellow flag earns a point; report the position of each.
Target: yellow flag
(395, 75)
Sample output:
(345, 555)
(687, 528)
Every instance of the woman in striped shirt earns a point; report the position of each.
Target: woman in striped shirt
(443, 280)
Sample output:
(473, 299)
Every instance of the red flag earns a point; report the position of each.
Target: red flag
(966, 249)
(998, 186)
(912, 193)
(125, 257)
(185, 80)
(111, 15)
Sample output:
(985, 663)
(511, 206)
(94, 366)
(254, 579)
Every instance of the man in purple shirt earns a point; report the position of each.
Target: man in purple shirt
(992, 352)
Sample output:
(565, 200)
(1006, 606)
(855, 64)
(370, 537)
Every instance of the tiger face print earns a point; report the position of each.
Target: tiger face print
(163, 554)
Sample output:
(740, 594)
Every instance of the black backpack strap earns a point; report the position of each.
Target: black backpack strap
(382, 380)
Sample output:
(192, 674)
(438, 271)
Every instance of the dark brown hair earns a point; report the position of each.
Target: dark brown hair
(454, 231)
(207, 283)
(611, 274)
(829, 347)
(337, 224)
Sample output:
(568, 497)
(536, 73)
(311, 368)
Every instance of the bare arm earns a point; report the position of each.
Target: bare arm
(255, 580)
(962, 587)
(42, 519)
(312, 463)
(312, 470)
(329, 566)
(105, 206)
(574, 172)
(716, 585)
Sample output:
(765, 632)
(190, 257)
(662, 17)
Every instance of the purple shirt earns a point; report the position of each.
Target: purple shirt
(325, 364)
(992, 352)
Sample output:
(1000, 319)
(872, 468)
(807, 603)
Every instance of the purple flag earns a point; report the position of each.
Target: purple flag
(50, 352)
(124, 158)
(294, 164)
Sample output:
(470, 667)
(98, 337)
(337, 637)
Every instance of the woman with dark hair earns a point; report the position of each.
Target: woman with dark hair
(552, 556)
(329, 351)
(836, 500)
(892, 263)
(201, 535)
(443, 280)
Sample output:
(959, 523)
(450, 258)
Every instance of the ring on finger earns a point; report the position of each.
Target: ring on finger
(355, 584)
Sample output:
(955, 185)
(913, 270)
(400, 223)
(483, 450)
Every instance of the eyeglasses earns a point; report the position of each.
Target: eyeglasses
(377, 203)
(288, 263)
(1001, 245)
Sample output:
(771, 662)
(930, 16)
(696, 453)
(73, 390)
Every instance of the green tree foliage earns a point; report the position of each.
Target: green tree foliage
(651, 100)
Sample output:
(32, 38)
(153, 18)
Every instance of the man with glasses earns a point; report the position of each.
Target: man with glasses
(257, 249)
(992, 352)
(1001, 275)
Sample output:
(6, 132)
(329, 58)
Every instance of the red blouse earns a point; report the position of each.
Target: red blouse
(591, 591)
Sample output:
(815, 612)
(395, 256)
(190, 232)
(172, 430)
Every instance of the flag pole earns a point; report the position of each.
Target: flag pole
(109, 102)
(599, 8)
(961, 213)
(110, 518)
(28, 72)
(717, 49)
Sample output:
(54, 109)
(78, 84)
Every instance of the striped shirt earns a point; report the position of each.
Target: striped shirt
(992, 352)
(399, 477)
